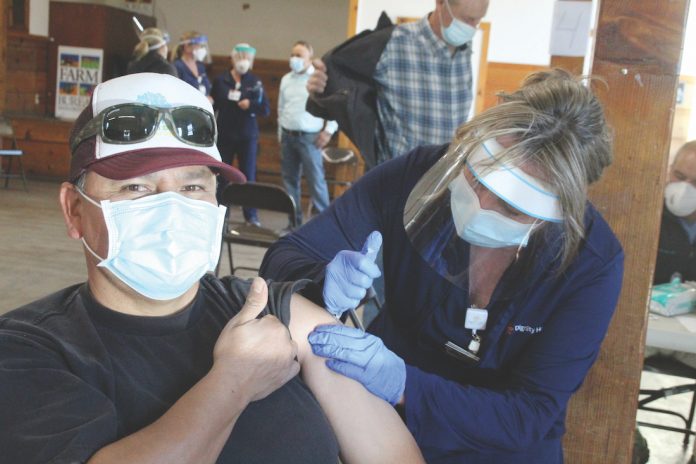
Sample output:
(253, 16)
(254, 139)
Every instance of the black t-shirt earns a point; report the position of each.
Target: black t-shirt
(675, 252)
(76, 376)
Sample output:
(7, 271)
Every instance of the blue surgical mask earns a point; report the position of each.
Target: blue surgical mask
(458, 32)
(483, 227)
(161, 245)
(297, 64)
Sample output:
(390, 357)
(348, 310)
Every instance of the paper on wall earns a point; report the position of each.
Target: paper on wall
(570, 28)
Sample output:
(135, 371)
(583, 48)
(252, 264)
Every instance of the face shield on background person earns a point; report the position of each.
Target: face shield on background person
(444, 215)
(155, 39)
(243, 57)
(199, 46)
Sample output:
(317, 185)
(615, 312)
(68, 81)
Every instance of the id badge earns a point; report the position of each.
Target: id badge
(234, 95)
(476, 319)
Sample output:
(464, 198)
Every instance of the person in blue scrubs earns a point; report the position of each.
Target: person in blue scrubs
(238, 98)
(500, 277)
(191, 57)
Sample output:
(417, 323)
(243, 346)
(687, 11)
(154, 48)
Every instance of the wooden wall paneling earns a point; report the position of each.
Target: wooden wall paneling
(637, 53)
(26, 74)
(3, 54)
(45, 145)
(573, 64)
(505, 77)
(483, 68)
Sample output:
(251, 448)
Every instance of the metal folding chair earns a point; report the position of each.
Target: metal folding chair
(11, 154)
(670, 366)
(337, 156)
(254, 195)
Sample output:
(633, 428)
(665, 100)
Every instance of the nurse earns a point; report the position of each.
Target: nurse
(500, 277)
(191, 57)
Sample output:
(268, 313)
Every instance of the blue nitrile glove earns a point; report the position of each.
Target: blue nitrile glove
(350, 274)
(362, 357)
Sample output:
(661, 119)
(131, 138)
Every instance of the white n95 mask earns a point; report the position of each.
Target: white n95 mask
(680, 198)
(161, 245)
(199, 54)
(242, 66)
(482, 227)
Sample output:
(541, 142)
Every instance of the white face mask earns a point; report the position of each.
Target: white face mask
(483, 227)
(200, 53)
(680, 198)
(242, 66)
(160, 245)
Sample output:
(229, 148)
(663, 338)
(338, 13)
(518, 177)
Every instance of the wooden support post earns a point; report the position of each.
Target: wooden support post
(637, 53)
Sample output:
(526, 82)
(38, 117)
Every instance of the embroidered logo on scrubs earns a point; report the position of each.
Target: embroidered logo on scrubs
(523, 329)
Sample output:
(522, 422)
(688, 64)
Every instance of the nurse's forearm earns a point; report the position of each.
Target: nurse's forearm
(368, 429)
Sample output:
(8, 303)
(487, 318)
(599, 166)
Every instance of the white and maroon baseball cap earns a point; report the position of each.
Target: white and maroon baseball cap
(172, 121)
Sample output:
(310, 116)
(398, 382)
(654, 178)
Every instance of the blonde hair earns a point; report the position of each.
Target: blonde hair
(150, 39)
(558, 128)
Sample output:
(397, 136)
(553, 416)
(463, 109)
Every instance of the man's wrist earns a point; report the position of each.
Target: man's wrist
(228, 381)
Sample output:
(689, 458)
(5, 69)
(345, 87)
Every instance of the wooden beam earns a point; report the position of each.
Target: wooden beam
(637, 53)
(352, 17)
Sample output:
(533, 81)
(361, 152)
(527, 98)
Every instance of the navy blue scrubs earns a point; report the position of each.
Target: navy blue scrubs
(544, 328)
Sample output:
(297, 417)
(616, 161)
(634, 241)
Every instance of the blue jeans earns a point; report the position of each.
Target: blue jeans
(245, 150)
(298, 153)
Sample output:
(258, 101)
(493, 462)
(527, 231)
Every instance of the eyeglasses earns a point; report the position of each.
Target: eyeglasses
(136, 122)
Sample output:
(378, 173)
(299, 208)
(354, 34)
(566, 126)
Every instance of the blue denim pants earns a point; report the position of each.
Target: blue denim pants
(299, 153)
(245, 150)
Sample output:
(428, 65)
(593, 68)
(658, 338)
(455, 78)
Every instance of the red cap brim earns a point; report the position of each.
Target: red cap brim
(138, 163)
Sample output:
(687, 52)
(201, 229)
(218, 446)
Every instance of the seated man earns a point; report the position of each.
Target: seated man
(676, 252)
(152, 360)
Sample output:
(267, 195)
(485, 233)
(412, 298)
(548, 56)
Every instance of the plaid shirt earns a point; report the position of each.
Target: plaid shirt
(423, 91)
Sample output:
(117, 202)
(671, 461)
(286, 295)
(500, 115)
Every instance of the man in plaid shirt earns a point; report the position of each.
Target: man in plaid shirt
(422, 80)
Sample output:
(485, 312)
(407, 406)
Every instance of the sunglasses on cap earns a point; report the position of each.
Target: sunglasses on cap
(136, 122)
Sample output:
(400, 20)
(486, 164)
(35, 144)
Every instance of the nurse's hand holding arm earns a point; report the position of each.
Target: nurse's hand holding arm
(361, 357)
(349, 275)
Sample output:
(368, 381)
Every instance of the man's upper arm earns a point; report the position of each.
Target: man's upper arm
(305, 316)
(368, 429)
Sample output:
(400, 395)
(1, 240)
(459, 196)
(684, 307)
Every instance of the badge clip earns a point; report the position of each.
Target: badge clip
(460, 353)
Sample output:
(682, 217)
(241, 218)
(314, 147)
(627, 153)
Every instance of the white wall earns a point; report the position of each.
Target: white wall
(688, 64)
(38, 17)
(272, 26)
(520, 29)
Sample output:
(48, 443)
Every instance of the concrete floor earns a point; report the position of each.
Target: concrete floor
(38, 258)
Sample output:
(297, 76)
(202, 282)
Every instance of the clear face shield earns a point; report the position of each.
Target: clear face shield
(243, 57)
(155, 41)
(199, 48)
(475, 211)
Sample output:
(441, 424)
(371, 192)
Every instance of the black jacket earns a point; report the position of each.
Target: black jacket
(152, 62)
(350, 97)
(675, 253)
